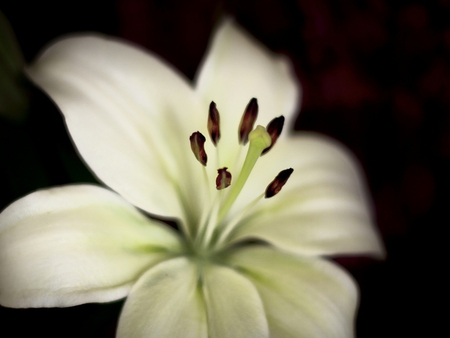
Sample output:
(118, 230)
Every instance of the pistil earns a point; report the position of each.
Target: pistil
(259, 140)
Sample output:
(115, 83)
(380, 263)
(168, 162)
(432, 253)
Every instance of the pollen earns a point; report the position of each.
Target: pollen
(248, 121)
(214, 123)
(275, 186)
(198, 147)
(274, 129)
(223, 179)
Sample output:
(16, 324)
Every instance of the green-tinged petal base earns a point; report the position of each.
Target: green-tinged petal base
(184, 297)
(166, 302)
(76, 244)
(304, 297)
(234, 307)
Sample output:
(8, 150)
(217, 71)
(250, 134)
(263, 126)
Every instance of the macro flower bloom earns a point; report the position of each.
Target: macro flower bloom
(258, 209)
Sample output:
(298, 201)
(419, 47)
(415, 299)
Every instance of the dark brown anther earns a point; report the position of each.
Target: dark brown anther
(275, 186)
(274, 129)
(197, 146)
(248, 120)
(223, 179)
(214, 123)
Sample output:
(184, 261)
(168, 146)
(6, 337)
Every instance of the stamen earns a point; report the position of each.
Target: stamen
(227, 228)
(274, 129)
(223, 179)
(214, 123)
(248, 120)
(275, 186)
(197, 146)
(208, 221)
(259, 140)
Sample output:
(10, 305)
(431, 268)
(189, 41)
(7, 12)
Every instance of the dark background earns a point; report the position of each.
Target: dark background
(375, 75)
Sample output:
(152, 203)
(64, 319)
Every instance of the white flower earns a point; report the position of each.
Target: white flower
(241, 265)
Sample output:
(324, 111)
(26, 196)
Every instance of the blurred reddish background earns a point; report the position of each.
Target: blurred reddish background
(375, 75)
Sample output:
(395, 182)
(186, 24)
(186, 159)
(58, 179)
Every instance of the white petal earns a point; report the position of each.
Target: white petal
(238, 68)
(169, 301)
(322, 210)
(75, 244)
(303, 296)
(166, 302)
(234, 307)
(130, 116)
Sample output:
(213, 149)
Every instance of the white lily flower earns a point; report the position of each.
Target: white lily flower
(241, 265)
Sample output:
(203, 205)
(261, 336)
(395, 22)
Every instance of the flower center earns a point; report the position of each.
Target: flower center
(212, 231)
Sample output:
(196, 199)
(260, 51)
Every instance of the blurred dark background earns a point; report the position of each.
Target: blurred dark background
(375, 75)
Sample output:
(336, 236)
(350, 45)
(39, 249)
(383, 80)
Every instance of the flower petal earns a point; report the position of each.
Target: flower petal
(234, 307)
(76, 244)
(165, 302)
(238, 68)
(322, 210)
(130, 116)
(168, 302)
(302, 296)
